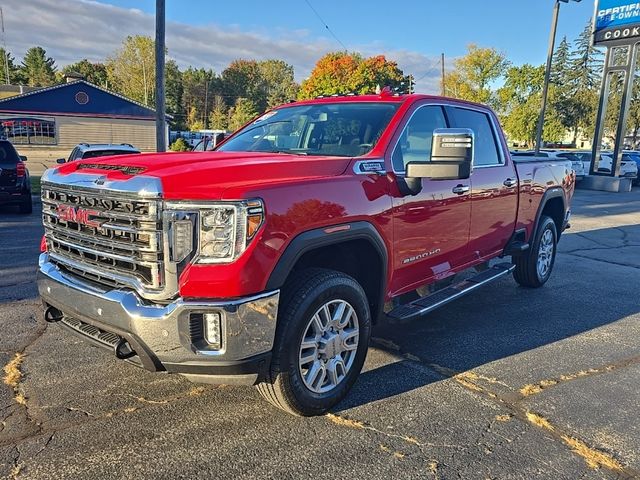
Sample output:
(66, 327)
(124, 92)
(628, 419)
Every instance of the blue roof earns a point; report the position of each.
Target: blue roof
(79, 98)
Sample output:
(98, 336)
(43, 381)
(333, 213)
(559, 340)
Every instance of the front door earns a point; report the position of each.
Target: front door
(431, 229)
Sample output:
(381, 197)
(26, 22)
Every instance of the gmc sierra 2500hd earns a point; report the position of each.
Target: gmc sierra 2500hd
(268, 260)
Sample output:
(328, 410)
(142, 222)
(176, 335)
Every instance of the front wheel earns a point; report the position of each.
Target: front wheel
(321, 343)
(534, 269)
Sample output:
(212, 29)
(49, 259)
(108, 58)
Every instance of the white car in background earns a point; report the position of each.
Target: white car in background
(563, 155)
(628, 167)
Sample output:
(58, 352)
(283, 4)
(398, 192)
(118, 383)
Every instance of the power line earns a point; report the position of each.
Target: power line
(325, 25)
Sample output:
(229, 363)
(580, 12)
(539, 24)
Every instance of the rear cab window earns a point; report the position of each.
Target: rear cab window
(487, 151)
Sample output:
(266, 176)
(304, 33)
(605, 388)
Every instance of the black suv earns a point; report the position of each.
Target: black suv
(15, 186)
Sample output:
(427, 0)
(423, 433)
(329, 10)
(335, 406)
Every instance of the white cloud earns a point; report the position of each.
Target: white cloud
(74, 29)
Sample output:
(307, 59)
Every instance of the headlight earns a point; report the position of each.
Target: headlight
(223, 229)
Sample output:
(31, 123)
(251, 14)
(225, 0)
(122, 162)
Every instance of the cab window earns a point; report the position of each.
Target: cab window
(414, 144)
(486, 145)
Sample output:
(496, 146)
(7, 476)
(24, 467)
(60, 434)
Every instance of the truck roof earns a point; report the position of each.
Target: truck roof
(382, 97)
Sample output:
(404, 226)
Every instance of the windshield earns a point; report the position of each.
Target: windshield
(338, 129)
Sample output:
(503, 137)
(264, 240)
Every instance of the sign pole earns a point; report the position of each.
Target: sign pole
(547, 74)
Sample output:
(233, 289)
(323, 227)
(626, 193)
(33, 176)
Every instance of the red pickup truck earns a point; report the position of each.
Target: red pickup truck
(267, 261)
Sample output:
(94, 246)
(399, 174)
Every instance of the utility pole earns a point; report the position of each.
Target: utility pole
(7, 78)
(161, 122)
(442, 91)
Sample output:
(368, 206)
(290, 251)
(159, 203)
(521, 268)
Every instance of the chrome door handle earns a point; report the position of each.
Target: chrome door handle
(510, 182)
(460, 189)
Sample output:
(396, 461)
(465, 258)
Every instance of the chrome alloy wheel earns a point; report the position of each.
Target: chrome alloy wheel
(545, 254)
(329, 346)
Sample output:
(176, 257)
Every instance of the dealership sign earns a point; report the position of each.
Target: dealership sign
(616, 21)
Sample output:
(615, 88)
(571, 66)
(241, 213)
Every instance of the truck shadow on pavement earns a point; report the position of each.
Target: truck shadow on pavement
(504, 319)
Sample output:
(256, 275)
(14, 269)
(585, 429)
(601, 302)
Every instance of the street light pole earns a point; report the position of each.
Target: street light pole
(547, 74)
(161, 121)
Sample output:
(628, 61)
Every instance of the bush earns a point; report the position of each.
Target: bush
(180, 146)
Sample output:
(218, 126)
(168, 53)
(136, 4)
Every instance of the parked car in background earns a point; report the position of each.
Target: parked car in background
(635, 156)
(628, 166)
(209, 143)
(87, 150)
(15, 185)
(576, 163)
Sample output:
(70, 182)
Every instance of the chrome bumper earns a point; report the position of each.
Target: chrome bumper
(162, 336)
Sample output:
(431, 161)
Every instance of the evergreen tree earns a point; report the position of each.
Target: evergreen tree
(173, 93)
(586, 61)
(560, 65)
(37, 69)
(15, 76)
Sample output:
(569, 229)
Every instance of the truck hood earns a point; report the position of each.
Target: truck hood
(207, 175)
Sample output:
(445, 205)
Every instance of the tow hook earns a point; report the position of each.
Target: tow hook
(52, 315)
(123, 350)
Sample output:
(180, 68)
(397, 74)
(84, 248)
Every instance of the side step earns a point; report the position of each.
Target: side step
(429, 303)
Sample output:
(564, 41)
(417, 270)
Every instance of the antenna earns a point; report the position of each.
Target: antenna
(6, 54)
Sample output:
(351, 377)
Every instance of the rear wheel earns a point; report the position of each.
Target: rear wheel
(534, 269)
(321, 343)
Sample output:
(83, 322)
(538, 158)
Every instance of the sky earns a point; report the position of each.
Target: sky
(210, 34)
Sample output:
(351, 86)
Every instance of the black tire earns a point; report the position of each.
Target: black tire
(26, 207)
(301, 297)
(526, 272)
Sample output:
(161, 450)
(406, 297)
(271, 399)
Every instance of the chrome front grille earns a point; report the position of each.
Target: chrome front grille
(107, 238)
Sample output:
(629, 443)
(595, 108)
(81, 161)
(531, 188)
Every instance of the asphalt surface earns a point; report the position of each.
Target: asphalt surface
(505, 383)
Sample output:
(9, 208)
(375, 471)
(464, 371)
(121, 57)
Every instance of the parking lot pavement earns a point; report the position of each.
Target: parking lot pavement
(505, 383)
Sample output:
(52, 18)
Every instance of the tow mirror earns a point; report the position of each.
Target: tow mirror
(451, 156)
(61, 160)
(23, 158)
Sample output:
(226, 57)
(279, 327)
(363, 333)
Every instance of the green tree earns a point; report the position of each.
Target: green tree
(244, 79)
(586, 62)
(131, 69)
(199, 87)
(173, 93)
(560, 66)
(520, 99)
(180, 145)
(219, 117)
(474, 74)
(37, 69)
(243, 111)
(95, 73)
(277, 78)
(15, 76)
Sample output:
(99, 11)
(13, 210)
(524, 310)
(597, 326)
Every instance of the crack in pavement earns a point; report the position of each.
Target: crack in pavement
(610, 262)
(535, 388)
(594, 457)
(90, 418)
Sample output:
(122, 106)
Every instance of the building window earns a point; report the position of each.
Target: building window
(28, 131)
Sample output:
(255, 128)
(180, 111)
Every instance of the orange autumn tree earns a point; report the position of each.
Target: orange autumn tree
(343, 72)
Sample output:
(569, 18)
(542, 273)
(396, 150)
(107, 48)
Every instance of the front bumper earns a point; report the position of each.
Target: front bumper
(167, 337)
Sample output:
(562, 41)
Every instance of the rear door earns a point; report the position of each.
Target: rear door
(494, 183)
(8, 162)
(431, 229)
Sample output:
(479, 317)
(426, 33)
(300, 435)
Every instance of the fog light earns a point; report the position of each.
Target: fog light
(212, 330)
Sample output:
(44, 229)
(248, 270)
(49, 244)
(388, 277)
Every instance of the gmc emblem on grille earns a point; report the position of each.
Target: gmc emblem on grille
(79, 215)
